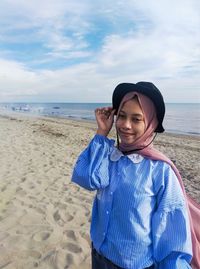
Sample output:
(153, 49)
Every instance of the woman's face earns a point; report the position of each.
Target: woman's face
(130, 123)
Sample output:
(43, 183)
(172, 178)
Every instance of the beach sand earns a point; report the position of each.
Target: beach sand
(44, 218)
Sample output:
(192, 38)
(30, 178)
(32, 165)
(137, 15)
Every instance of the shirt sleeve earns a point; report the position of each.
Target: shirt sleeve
(91, 170)
(175, 260)
(171, 233)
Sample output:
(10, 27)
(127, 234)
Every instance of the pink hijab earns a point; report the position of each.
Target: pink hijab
(145, 147)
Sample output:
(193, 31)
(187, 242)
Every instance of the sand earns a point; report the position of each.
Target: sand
(44, 218)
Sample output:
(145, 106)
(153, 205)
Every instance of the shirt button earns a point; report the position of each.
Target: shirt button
(111, 193)
(107, 212)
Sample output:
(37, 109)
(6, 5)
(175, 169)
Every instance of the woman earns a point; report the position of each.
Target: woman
(140, 215)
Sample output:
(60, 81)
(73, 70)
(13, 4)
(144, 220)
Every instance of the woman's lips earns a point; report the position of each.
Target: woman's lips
(126, 134)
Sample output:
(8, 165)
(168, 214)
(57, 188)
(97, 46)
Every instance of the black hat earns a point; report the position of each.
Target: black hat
(145, 88)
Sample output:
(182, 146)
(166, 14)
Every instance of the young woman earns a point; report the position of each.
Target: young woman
(140, 215)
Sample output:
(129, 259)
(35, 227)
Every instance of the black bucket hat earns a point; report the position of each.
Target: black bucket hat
(145, 88)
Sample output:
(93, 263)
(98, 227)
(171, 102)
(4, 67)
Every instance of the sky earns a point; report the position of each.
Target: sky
(78, 51)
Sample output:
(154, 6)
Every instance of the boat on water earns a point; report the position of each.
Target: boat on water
(21, 108)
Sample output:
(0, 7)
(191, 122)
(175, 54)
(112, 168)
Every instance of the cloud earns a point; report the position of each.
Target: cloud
(16, 80)
(69, 84)
(53, 26)
(78, 51)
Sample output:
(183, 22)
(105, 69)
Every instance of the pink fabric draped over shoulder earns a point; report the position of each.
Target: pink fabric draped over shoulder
(147, 150)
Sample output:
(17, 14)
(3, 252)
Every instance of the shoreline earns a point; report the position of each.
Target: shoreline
(84, 120)
(44, 218)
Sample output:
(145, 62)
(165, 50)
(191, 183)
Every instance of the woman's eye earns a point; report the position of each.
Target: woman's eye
(121, 116)
(136, 119)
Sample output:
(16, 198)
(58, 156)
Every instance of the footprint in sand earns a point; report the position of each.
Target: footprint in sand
(69, 217)
(69, 260)
(41, 236)
(71, 247)
(3, 188)
(70, 234)
(57, 217)
(23, 179)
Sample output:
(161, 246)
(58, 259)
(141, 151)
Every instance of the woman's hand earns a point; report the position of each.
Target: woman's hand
(105, 119)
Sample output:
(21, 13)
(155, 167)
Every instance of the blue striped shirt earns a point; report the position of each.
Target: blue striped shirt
(139, 216)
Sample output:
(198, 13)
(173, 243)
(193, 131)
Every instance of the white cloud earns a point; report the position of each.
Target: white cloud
(146, 40)
(16, 80)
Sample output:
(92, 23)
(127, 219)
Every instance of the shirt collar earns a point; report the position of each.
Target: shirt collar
(117, 154)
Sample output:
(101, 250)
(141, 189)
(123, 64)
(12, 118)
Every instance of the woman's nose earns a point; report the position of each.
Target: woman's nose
(127, 124)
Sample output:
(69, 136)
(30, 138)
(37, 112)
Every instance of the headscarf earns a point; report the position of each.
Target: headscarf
(143, 145)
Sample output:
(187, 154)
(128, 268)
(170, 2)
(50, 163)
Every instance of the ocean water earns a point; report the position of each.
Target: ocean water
(179, 117)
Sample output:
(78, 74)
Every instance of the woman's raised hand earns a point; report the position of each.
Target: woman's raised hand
(105, 119)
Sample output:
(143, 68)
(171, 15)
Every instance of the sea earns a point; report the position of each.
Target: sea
(180, 118)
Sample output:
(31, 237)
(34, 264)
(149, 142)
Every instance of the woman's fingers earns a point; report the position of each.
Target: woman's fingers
(105, 118)
(107, 111)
